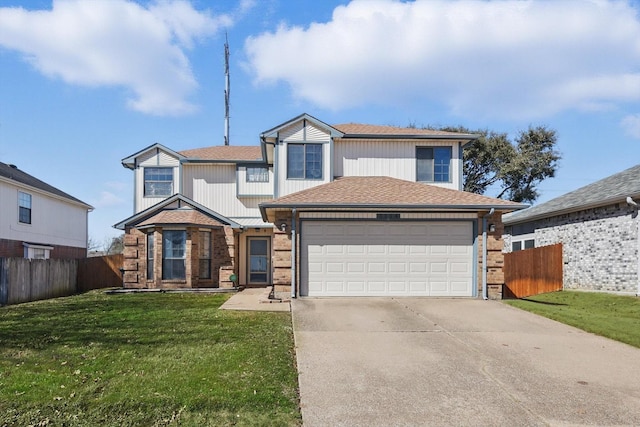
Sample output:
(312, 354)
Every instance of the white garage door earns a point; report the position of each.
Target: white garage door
(386, 258)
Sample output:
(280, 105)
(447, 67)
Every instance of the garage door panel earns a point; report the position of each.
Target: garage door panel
(376, 267)
(382, 258)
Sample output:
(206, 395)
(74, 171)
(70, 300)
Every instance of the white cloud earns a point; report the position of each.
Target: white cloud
(631, 125)
(115, 43)
(519, 59)
(108, 199)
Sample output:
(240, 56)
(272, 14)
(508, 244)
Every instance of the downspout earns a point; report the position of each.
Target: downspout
(293, 253)
(485, 295)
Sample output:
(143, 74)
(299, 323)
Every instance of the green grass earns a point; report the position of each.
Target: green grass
(145, 359)
(612, 316)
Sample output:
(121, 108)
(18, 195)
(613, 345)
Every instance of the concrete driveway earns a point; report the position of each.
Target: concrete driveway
(418, 361)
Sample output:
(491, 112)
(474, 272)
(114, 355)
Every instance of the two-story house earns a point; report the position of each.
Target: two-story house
(317, 209)
(39, 221)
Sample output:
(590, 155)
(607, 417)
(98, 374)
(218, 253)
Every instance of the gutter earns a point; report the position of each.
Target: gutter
(293, 253)
(485, 295)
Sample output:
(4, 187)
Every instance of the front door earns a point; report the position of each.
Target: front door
(258, 265)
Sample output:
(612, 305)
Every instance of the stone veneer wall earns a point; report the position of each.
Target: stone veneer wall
(600, 247)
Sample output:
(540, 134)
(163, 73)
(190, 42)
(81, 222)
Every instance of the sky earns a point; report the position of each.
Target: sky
(86, 83)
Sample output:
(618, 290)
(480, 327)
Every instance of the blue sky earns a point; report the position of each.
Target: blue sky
(84, 84)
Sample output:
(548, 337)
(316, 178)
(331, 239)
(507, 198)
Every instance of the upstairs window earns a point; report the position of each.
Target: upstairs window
(304, 161)
(158, 182)
(24, 208)
(433, 164)
(258, 174)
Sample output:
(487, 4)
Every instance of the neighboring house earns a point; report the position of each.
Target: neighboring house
(39, 221)
(598, 228)
(373, 210)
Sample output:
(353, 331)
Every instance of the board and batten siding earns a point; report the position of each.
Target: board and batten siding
(214, 186)
(397, 159)
(54, 221)
(301, 133)
(153, 158)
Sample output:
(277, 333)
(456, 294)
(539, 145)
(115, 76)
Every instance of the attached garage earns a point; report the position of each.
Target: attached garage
(383, 258)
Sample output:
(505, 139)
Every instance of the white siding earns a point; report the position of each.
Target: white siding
(214, 186)
(153, 158)
(299, 132)
(288, 186)
(396, 159)
(253, 188)
(53, 221)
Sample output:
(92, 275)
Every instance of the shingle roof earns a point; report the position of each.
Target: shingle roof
(180, 216)
(225, 152)
(389, 192)
(612, 189)
(365, 129)
(13, 173)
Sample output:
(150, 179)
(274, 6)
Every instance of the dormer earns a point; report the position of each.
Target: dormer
(156, 175)
(301, 152)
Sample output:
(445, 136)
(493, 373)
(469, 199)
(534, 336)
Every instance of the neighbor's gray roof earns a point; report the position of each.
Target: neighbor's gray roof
(12, 173)
(613, 189)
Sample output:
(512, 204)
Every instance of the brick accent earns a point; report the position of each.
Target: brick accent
(15, 249)
(495, 257)
(282, 252)
(223, 262)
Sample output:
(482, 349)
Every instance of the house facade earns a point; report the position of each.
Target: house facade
(39, 221)
(598, 226)
(317, 210)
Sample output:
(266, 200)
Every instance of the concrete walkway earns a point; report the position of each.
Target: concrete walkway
(416, 362)
(255, 299)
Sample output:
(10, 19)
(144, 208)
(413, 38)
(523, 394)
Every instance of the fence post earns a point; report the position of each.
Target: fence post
(4, 282)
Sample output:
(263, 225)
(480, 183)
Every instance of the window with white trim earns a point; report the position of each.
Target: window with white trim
(34, 251)
(24, 208)
(257, 174)
(158, 182)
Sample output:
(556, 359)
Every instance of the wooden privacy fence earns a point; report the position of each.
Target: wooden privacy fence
(100, 272)
(533, 271)
(24, 280)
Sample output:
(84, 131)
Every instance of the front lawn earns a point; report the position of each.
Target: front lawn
(145, 359)
(612, 316)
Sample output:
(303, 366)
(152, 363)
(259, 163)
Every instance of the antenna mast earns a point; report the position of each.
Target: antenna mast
(226, 90)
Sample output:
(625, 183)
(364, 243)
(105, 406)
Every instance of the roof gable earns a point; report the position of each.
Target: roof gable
(612, 189)
(142, 218)
(129, 162)
(273, 132)
(12, 173)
